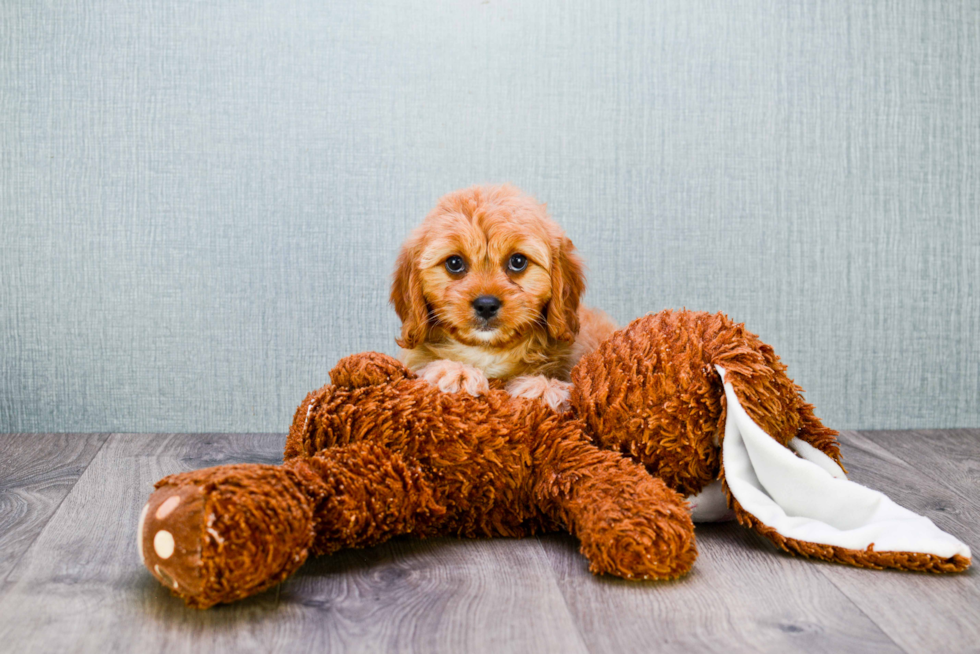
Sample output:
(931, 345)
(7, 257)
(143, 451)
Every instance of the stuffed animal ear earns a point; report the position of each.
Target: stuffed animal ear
(408, 299)
(805, 504)
(567, 285)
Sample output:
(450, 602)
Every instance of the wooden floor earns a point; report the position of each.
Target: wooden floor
(71, 579)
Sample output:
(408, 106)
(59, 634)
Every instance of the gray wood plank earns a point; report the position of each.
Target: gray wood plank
(756, 598)
(439, 595)
(919, 611)
(36, 473)
(950, 457)
(741, 596)
(81, 586)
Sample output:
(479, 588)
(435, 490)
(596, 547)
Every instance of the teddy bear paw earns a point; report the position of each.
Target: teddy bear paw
(169, 540)
(220, 534)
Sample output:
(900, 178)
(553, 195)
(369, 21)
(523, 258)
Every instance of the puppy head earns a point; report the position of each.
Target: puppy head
(489, 267)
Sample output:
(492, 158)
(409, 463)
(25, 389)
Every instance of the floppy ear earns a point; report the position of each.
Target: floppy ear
(406, 295)
(567, 284)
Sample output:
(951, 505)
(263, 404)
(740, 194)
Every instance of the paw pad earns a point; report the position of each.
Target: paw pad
(170, 535)
(163, 544)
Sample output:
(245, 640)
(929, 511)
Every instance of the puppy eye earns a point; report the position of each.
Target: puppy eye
(517, 263)
(455, 264)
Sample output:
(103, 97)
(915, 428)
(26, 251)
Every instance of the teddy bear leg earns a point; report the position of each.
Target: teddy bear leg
(630, 523)
(221, 534)
(366, 495)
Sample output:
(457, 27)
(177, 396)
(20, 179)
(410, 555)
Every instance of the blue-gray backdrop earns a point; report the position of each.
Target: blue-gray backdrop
(200, 202)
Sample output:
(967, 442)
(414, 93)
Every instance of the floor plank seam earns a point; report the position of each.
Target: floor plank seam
(967, 500)
(856, 605)
(925, 472)
(13, 568)
(564, 600)
(861, 442)
(77, 588)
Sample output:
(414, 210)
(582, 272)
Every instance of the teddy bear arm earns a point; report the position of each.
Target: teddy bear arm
(630, 523)
(368, 494)
(221, 534)
(368, 369)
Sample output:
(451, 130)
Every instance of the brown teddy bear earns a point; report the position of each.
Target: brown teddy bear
(676, 404)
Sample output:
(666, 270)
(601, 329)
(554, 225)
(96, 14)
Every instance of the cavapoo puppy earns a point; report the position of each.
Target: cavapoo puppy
(488, 288)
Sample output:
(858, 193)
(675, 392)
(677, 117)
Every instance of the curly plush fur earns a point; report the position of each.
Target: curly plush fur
(380, 453)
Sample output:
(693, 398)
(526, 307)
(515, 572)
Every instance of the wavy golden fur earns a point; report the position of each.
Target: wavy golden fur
(539, 330)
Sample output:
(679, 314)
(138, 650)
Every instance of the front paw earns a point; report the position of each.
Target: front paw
(553, 391)
(452, 377)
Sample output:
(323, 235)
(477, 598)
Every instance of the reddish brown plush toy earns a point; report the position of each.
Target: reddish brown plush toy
(655, 413)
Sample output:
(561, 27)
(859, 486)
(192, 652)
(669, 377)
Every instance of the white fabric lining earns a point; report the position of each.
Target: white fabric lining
(803, 498)
(813, 455)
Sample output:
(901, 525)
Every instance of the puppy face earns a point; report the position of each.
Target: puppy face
(488, 267)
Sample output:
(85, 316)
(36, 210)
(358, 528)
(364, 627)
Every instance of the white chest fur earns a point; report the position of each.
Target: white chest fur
(494, 364)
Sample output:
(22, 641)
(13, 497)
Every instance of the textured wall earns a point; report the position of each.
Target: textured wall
(200, 202)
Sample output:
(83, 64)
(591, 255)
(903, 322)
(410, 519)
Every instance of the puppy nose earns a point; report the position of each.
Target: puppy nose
(486, 306)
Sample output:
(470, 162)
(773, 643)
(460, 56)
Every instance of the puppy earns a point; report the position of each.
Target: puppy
(488, 288)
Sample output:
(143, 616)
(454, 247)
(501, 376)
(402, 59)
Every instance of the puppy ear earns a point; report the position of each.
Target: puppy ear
(567, 285)
(406, 295)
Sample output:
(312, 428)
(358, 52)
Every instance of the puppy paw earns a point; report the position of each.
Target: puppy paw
(452, 377)
(553, 391)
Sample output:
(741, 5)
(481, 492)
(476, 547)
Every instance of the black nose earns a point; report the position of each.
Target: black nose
(486, 306)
